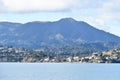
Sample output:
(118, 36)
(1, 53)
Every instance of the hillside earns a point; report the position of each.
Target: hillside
(66, 31)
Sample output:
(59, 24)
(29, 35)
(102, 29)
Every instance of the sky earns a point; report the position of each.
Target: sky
(102, 14)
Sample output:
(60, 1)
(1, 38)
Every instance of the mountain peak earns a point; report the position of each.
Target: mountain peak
(68, 19)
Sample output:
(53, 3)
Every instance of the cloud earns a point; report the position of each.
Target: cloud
(109, 13)
(3, 20)
(103, 14)
(34, 5)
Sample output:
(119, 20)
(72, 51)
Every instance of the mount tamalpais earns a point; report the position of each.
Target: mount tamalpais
(66, 31)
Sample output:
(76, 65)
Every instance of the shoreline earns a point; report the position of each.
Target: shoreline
(46, 62)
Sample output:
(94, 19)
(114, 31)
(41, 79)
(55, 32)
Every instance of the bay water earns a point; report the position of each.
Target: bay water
(59, 71)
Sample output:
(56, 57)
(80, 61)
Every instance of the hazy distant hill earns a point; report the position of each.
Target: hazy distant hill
(62, 32)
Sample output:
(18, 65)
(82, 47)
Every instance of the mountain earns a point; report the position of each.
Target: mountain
(63, 32)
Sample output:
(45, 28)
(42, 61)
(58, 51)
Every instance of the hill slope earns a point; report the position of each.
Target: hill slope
(65, 31)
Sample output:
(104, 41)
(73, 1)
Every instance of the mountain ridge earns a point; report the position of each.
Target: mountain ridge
(68, 18)
(63, 31)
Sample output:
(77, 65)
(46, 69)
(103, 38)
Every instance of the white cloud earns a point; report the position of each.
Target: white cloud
(101, 14)
(3, 20)
(34, 5)
(109, 13)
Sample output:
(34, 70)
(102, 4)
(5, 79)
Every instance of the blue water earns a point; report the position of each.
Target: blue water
(59, 71)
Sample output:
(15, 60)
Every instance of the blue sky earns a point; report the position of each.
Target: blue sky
(102, 14)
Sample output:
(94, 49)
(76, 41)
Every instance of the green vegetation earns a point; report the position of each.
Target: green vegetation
(66, 53)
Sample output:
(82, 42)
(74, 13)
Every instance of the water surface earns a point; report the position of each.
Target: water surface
(59, 71)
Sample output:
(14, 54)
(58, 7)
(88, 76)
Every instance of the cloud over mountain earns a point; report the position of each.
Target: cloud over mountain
(102, 14)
